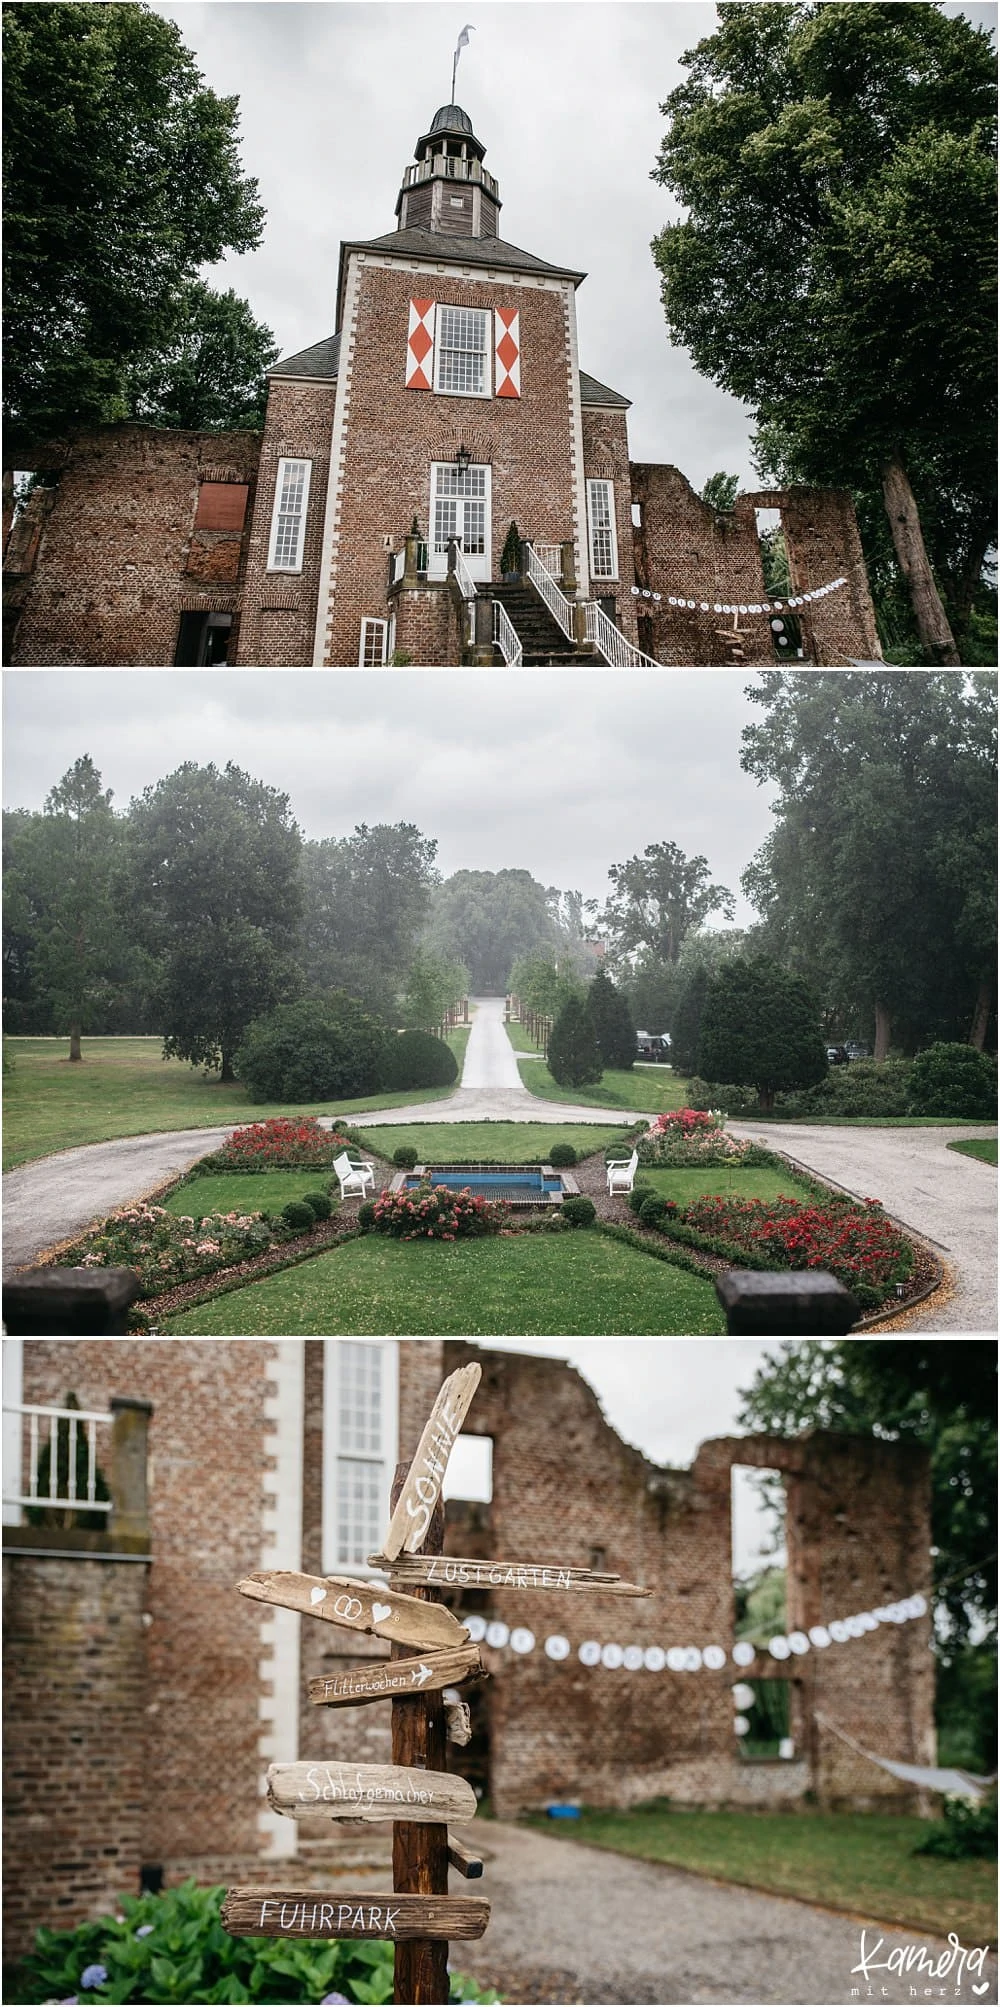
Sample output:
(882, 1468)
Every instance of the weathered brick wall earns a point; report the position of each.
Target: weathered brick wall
(208, 1460)
(119, 557)
(685, 549)
(427, 628)
(279, 608)
(393, 434)
(605, 458)
(74, 1694)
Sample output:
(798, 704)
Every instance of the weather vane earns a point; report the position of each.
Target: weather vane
(463, 43)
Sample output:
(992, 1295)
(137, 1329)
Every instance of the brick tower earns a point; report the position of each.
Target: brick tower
(448, 404)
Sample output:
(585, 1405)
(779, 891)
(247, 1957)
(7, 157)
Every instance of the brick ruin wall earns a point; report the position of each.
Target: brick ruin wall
(605, 458)
(278, 624)
(686, 549)
(101, 566)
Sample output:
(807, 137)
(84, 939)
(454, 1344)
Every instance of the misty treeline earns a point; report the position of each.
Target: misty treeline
(202, 906)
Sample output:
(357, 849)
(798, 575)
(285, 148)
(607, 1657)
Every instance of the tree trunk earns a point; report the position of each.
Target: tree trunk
(765, 1099)
(226, 1072)
(907, 536)
(883, 1026)
(983, 1013)
(74, 1042)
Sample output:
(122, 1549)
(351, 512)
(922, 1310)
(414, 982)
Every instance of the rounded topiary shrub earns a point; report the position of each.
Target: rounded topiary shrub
(637, 1197)
(405, 1157)
(953, 1080)
(320, 1204)
(562, 1155)
(580, 1212)
(298, 1215)
(417, 1059)
(366, 1215)
(653, 1209)
(311, 1051)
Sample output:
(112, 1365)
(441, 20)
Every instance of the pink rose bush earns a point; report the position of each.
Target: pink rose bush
(167, 1248)
(690, 1137)
(435, 1212)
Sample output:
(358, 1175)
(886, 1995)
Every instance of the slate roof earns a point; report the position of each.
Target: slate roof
(320, 360)
(592, 392)
(462, 251)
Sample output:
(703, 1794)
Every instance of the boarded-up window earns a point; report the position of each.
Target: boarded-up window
(222, 505)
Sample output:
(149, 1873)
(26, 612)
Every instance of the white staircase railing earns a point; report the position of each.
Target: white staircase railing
(466, 582)
(549, 592)
(505, 636)
(550, 555)
(609, 641)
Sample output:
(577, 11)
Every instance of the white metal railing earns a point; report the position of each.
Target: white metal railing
(77, 1418)
(550, 555)
(466, 582)
(505, 636)
(547, 590)
(611, 642)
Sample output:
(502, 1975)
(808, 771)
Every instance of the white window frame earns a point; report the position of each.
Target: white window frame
(382, 1460)
(480, 564)
(484, 316)
(610, 527)
(370, 621)
(279, 514)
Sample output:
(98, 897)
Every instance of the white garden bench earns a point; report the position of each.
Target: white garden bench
(621, 1172)
(354, 1178)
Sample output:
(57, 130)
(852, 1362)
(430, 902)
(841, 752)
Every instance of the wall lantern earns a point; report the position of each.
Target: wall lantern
(463, 459)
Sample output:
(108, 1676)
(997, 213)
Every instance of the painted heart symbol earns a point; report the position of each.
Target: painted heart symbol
(380, 1610)
(984, 1988)
(317, 1596)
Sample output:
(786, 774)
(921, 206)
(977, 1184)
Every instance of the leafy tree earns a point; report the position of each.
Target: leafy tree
(366, 898)
(614, 1029)
(217, 891)
(651, 989)
(657, 900)
(207, 371)
(433, 985)
(720, 492)
(944, 1396)
(63, 884)
(574, 1059)
(316, 1049)
(835, 269)
(488, 919)
(543, 984)
(122, 179)
(878, 881)
(685, 1022)
(760, 1026)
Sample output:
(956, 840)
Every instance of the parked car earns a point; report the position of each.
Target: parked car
(855, 1051)
(837, 1055)
(653, 1046)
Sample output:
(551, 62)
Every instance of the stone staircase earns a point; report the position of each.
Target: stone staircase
(543, 642)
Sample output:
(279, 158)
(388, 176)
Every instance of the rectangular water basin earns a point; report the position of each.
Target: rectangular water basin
(515, 1184)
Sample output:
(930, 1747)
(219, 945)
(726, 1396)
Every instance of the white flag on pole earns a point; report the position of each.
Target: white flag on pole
(463, 40)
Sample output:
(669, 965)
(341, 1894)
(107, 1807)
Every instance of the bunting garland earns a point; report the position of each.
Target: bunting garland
(693, 1658)
(745, 606)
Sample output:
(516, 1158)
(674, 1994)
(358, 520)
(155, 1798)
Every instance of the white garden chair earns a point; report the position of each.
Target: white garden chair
(355, 1179)
(621, 1172)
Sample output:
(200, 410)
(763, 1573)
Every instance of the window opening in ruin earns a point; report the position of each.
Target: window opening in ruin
(360, 1402)
(469, 1475)
(598, 1559)
(759, 1554)
(786, 632)
(762, 1718)
(608, 604)
(202, 640)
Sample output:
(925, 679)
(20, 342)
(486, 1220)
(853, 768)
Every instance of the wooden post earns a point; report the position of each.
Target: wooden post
(420, 1852)
(796, 1303)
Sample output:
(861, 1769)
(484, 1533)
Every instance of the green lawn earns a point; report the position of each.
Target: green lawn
(122, 1087)
(862, 1862)
(244, 1192)
(756, 1182)
(983, 1147)
(486, 1142)
(532, 1285)
(649, 1090)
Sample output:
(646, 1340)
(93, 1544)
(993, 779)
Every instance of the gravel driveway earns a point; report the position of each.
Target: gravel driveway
(949, 1199)
(572, 1923)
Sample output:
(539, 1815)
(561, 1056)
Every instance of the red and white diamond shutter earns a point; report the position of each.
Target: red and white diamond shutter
(507, 321)
(420, 346)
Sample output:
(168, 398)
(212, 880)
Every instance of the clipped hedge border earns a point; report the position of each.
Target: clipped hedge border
(671, 1254)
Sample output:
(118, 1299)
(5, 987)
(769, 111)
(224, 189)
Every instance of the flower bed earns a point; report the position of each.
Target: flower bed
(435, 1212)
(853, 1241)
(689, 1136)
(285, 1143)
(166, 1248)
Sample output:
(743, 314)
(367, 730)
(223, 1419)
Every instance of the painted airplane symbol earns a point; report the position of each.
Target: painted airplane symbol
(421, 1674)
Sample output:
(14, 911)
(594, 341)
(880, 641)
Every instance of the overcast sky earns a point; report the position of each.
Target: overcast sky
(554, 774)
(565, 97)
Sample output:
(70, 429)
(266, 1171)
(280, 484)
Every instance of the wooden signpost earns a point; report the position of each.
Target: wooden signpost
(416, 1790)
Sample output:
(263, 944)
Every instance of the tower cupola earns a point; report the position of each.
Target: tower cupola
(448, 190)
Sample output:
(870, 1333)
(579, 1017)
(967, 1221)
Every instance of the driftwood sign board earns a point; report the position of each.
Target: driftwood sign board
(447, 1571)
(422, 1486)
(396, 1679)
(369, 1791)
(358, 1606)
(253, 1912)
